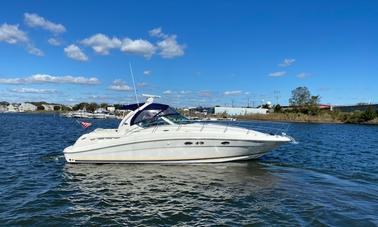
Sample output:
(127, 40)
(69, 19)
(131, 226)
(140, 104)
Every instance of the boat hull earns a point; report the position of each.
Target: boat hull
(172, 151)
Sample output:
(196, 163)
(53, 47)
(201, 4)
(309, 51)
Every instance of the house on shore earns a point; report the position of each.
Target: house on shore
(27, 107)
(355, 108)
(48, 107)
(111, 109)
(13, 107)
(3, 108)
(239, 110)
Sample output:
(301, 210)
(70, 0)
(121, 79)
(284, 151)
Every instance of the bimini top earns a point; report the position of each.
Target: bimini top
(149, 107)
(153, 114)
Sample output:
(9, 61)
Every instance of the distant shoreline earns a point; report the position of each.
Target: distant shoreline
(300, 118)
(274, 117)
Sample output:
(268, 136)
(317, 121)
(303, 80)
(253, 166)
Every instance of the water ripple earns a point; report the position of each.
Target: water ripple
(329, 178)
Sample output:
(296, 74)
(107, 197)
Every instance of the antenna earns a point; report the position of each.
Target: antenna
(135, 91)
(277, 95)
(150, 98)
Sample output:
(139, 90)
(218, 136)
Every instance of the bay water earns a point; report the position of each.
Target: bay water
(330, 177)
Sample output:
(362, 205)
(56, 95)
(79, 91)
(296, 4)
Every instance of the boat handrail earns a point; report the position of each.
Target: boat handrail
(273, 128)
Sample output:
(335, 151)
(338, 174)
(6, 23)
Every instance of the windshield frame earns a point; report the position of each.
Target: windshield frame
(163, 116)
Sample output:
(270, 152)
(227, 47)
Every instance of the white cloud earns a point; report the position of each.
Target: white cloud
(205, 94)
(185, 92)
(138, 46)
(157, 32)
(119, 85)
(169, 48)
(34, 20)
(147, 72)
(287, 62)
(99, 97)
(167, 92)
(12, 35)
(45, 78)
(54, 42)
(101, 43)
(303, 75)
(277, 74)
(34, 50)
(167, 45)
(33, 90)
(74, 52)
(233, 93)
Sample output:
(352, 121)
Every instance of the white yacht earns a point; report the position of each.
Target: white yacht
(80, 114)
(157, 133)
(102, 114)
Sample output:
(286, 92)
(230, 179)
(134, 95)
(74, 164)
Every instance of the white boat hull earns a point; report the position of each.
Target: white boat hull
(173, 151)
(156, 133)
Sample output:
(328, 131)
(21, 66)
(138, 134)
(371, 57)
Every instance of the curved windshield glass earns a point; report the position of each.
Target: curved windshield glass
(160, 117)
(177, 118)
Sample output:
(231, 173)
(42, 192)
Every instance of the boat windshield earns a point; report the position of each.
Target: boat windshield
(153, 117)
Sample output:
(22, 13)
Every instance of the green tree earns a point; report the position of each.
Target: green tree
(57, 108)
(300, 97)
(104, 105)
(80, 106)
(368, 114)
(118, 106)
(66, 108)
(313, 105)
(92, 107)
(278, 108)
(265, 106)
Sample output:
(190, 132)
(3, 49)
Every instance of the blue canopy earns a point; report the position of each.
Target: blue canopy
(152, 106)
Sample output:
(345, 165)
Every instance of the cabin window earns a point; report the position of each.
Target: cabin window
(225, 143)
(188, 143)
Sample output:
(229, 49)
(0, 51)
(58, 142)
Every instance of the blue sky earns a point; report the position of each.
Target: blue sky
(189, 52)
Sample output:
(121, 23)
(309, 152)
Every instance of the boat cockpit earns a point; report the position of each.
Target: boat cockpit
(155, 114)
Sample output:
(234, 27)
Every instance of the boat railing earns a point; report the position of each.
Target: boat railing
(273, 128)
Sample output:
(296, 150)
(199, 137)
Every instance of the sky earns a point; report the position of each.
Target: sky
(191, 53)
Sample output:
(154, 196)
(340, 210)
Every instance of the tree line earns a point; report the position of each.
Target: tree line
(302, 101)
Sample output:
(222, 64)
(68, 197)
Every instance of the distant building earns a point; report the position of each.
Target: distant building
(3, 108)
(239, 110)
(355, 108)
(200, 110)
(111, 109)
(48, 107)
(325, 107)
(27, 107)
(12, 107)
(100, 110)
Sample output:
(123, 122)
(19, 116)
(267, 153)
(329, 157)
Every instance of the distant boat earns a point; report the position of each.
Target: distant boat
(102, 114)
(81, 114)
(98, 114)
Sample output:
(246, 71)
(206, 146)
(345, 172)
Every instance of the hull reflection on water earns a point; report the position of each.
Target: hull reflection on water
(160, 192)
